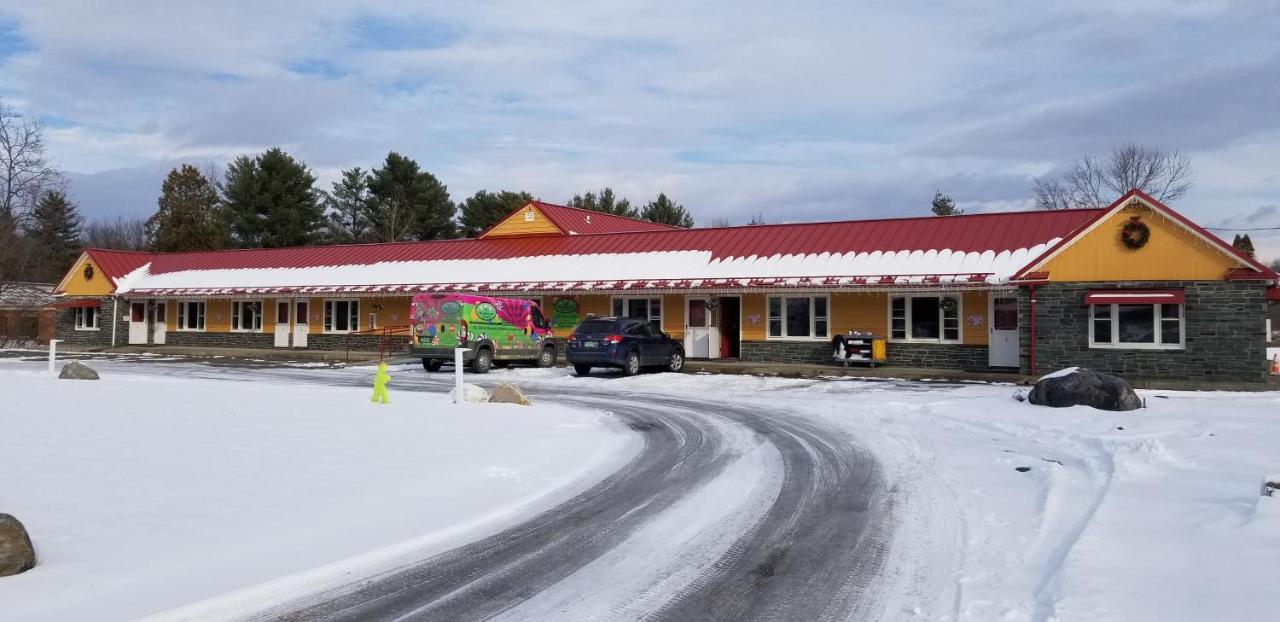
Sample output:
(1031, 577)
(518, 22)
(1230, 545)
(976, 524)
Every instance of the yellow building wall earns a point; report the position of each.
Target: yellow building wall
(217, 316)
(1172, 254)
(521, 223)
(315, 323)
(755, 317)
(74, 283)
(864, 312)
(673, 315)
(973, 305)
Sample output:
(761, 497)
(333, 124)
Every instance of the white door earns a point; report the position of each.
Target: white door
(138, 324)
(697, 323)
(282, 323)
(300, 326)
(158, 323)
(1003, 343)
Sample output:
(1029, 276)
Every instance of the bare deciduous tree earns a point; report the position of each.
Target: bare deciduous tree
(122, 234)
(25, 172)
(1090, 182)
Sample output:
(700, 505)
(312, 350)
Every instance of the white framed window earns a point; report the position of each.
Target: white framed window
(928, 318)
(86, 318)
(799, 317)
(1137, 326)
(341, 316)
(639, 308)
(190, 315)
(246, 315)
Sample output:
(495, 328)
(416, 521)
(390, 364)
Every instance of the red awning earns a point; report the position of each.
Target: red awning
(1133, 296)
(74, 304)
(1273, 293)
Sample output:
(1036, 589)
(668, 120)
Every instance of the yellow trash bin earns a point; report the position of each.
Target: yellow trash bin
(878, 350)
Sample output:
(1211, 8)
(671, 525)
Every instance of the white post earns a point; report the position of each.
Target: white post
(53, 353)
(457, 375)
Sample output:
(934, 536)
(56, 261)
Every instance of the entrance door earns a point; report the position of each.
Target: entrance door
(138, 324)
(1003, 342)
(697, 329)
(282, 323)
(730, 314)
(300, 326)
(158, 323)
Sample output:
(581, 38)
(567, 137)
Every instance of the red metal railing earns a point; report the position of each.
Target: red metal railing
(388, 337)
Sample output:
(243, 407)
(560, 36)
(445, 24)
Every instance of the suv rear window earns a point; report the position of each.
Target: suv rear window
(596, 327)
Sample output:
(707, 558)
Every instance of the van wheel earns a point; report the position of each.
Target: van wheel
(676, 363)
(431, 365)
(633, 364)
(483, 361)
(547, 358)
(582, 370)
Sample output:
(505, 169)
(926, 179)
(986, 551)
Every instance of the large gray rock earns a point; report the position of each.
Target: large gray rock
(1078, 386)
(508, 394)
(16, 553)
(75, 370)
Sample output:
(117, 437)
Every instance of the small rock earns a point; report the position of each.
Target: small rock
(471, 393)
(1271, 488)
(16, 553)
(1022, 469)
(75, 370)
(508, 394)
(1080, 386)
(1120, 427)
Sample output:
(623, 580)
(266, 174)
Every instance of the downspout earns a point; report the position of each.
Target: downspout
(1033, 329)
(115, 318)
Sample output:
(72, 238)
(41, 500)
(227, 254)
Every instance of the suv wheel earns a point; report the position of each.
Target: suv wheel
(677, 361)
(547, 358)
(633, 363)
(483, 361)
(581, 370)
(431, 365)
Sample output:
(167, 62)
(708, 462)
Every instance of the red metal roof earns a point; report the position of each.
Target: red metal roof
(586, 222)
(115, 264)
(995, 232)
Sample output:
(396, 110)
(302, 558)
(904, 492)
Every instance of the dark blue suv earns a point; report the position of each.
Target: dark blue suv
(625, 343)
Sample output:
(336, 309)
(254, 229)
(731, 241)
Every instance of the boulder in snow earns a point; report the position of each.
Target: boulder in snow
(16, 553)
(1076, 386)
(1271, 486)
(75, 370)
(508, 394)
(471, 393)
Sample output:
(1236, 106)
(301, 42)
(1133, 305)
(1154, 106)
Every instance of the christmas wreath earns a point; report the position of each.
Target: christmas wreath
(1135, 234)
(947, 304)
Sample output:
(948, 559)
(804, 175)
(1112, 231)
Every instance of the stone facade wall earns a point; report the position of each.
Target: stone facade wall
(65, 327)
(219, 340)
(939, 355)
(1224, 323)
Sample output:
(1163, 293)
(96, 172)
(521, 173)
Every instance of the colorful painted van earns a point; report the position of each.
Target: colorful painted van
(494, 331)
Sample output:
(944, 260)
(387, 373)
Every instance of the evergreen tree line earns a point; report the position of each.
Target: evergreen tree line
(271, 200)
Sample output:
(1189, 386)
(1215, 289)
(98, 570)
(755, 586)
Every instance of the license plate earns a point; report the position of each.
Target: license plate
(588, 344)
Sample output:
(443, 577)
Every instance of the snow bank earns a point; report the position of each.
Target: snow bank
(143, 494)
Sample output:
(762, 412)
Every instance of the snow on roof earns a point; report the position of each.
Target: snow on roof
(971, 250)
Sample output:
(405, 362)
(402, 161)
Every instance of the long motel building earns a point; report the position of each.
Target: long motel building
(1134, 288)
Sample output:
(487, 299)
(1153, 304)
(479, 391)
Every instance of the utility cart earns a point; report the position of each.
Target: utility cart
(858, 347)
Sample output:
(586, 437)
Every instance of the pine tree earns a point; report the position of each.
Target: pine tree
(664, 210)
(604, 201)
(1243, 244)
(944, 206)
(349, 204)
(54, 231)
(271, 201)
(189, 215)
(484, 209)
(409, 203)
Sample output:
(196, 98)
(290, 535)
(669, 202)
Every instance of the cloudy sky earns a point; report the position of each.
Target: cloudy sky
(827, 111)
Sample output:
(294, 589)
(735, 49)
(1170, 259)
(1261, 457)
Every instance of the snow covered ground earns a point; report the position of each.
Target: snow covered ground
(1148, 515)
(144, 493)
(1005, 511)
